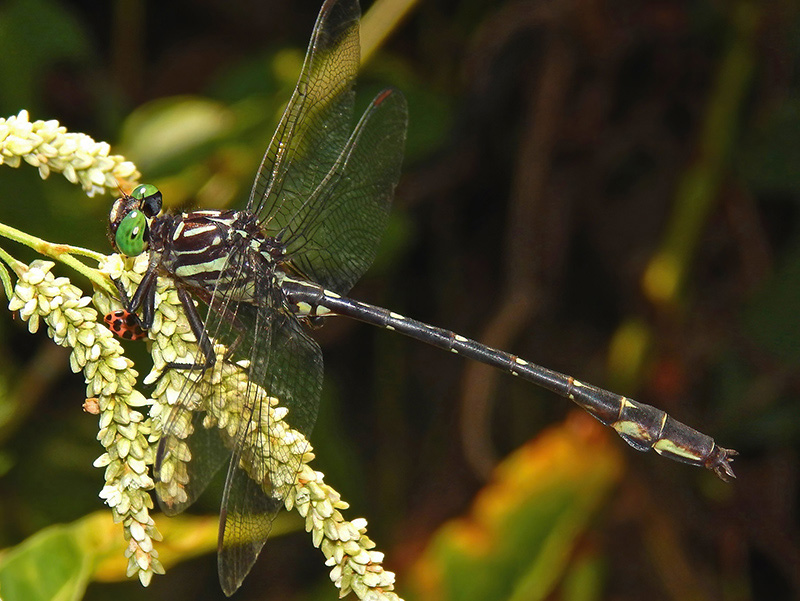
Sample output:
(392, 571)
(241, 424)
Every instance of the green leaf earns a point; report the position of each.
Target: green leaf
(173, 129)
(53, 565)
(57, 563)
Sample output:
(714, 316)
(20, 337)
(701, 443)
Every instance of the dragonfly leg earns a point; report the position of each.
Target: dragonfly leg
(144, 297)
(196, 324)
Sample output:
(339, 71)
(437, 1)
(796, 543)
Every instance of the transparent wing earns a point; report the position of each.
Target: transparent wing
(267, 453)
(325, 195)
(199, 434)
(317, 120)
(321, 191)
(189, 455)
(234, 412)
(332, 237)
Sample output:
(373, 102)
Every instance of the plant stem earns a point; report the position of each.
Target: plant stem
(63, 253)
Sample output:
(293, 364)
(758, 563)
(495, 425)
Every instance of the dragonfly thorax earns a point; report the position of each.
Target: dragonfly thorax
(216, 251)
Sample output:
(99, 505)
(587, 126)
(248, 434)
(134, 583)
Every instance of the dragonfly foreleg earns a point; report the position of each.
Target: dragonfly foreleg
(144, 297)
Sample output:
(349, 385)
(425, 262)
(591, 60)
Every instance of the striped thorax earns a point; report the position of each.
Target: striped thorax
(223, 251)
(206, 251)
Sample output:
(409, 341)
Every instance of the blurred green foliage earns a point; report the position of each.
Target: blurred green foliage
(550, 146)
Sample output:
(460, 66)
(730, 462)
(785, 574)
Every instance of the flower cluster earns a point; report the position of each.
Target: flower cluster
(110, 378)
(270, 451)
(355, 565)
(49, 147)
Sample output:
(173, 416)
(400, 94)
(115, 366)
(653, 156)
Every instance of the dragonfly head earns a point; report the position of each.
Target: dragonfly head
(129, 220)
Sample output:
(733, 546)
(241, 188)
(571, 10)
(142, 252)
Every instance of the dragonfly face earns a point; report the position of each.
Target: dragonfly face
(128, 222)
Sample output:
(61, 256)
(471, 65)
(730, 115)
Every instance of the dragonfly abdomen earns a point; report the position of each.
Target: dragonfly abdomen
(642, 426)
(645, 427)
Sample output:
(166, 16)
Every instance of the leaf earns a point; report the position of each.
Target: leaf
(58, 562)
(178, 128)
(55, 564)
(519, 538)
(184, 537)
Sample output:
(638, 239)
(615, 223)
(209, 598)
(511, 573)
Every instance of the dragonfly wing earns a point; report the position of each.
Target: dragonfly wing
(246, 520)
(317, 120)
(229, 414)
(198, 435)
(189, 456)
(267, 454)
(332, 238)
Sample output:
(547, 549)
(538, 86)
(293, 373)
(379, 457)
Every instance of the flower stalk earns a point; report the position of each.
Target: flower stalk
(39, 297)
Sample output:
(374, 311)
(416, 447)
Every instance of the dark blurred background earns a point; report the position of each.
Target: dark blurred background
(610, 189)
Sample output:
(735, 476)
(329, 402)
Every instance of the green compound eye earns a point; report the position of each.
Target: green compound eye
(142, 191)
(130, 234)
(150, 198)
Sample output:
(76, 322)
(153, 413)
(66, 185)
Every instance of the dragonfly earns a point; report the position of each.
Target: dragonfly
(266, 273)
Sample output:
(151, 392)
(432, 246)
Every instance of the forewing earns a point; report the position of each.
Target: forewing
(333, 236)
(317, 119)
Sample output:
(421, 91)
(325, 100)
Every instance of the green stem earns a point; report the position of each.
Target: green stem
(63, 253)
(698, 190)
(379, 22)
(5, 277)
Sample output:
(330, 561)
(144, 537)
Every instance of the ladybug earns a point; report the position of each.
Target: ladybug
(125, 324)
